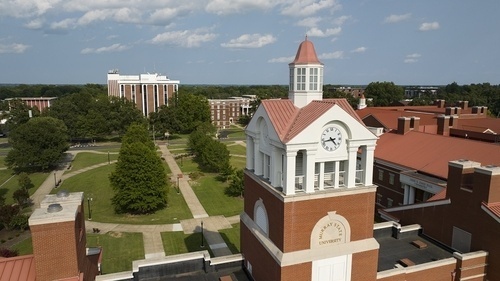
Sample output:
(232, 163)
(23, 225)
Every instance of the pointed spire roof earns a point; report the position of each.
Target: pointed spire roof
(306, 53)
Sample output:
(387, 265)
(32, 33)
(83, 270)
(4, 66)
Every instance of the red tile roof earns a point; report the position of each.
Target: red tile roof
(430, 153)
(389, 118)
(494, 208)
(480, 125)
(20, 268)
(306, 53)
(289, 120)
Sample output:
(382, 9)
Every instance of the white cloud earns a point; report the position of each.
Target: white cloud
(397, 18)
(250, 41)
(35, 24)
(316, 32)
(309, 7)
(426, 26)
(412, 58)
(27, 8)
(237, 61)
(14, 48)
(309, 22)
(341, 20)
(63, 25)
(359, 50)
(225, 7)
(109, 49)
(184, 38)
(334, 55)
(282, 60)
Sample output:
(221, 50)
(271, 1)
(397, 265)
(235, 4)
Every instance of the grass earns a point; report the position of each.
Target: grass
(87, 159)
(232, 238)
(119, 249)
(95, 183)
(237, 149)
(179, 243)
(24, 247)
(187, 165)
(2, 161)
(210, 192)
(238, 162)
(9, 183)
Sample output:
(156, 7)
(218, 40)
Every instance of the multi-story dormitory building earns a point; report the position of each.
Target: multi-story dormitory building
(147, 91)
(224, 112)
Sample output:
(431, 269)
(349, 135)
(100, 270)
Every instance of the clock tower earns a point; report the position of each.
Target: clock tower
(309, 198)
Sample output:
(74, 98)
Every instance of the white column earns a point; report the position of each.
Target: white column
(411, 196)
(258, 158)
(406, 194)
(336, 175)
(289, 188)
(367, 159)
(310, 157)
(275, 167)
(321, 176)
(250, 153)
(351, 166)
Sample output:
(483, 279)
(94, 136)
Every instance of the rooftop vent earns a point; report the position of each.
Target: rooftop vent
(490, 166)
(62, 193)
(54, 208)
(463, 160)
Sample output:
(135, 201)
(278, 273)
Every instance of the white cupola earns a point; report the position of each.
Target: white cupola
(306, 76)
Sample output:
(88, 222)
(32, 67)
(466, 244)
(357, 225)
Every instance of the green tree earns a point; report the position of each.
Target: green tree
(38, 144)
(236, 185)
(210, 154)
(21, 196)
(139, 180)
(7, 212)
(24, 181)
(19, 113)
(384, 93)
(138, 133)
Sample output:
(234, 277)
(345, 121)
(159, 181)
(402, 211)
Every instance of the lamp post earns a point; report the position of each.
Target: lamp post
(202, 238)
(167, 135)
(90, 210)
(55, 180)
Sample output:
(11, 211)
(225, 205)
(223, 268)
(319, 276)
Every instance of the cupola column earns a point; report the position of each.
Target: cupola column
(258, 169)
(310, 156)
(351, 165)
(367, 158)
(250, 153)
(289, 188)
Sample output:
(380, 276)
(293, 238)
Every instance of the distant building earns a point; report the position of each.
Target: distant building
(41, 103)
(224, 112)
(147, 91)
(356, 92)
(417, 91)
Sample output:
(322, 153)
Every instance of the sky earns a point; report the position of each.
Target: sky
(250, 42)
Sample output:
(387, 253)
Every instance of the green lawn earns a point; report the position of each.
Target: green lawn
(24, 247)
(95, 183)
(238, 162)
(232, 237)
(210, 192)
(237, 149)
(179, 243)
(119, 249)
(87, 159)
(9, 183)
(187, 165)
(2, 161)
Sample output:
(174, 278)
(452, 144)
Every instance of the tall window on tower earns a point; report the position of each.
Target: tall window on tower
(313, 79)
(301, 79)
(292, 81)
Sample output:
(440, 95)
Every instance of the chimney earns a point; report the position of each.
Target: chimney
(414, 123)
(403, 125)
(480, 110)
(59, 239)
(464, 104)
(460, 178)
(487, 183)
(453, 121)
(439, 103)
(443, 125)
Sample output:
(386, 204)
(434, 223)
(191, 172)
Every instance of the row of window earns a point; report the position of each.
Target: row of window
(390, 201)
(381, 176)
(298, 80)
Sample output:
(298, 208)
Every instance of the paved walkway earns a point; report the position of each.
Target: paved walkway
(153, 244)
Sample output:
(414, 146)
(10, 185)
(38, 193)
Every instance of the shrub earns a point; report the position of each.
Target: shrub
(7, 253)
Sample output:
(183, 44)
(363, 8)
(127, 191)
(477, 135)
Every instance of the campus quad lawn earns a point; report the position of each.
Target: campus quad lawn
(237, 149)
(87, 159)
(179, 243)
(95, 184)
(9, 183)
(24, 247)
(119, 249)
(232, 238)
(210, 192)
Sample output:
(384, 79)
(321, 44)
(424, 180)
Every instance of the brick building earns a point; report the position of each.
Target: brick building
(147, 91)
(41, 103)
(224, 112)
(59, 244)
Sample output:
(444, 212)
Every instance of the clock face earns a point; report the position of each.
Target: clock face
(331, 138)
